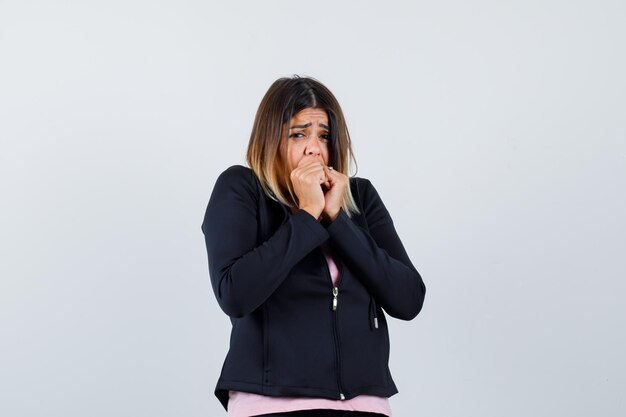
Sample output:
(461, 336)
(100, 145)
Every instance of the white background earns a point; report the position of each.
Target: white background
(493, 130)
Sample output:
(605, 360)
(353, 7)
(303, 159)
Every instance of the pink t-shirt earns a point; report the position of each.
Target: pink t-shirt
(246, 404)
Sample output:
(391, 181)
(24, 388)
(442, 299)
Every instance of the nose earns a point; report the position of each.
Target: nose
(313, 147)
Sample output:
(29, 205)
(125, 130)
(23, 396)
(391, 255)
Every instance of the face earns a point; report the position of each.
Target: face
(308, 137)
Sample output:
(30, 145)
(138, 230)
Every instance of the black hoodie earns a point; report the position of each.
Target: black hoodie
(270, 276)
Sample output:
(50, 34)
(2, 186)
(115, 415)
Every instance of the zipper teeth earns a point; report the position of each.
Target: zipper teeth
(338, 357)
(335, 292)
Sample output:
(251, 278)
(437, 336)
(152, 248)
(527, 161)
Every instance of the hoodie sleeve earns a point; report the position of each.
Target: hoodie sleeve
(243, 273)
(377, 257)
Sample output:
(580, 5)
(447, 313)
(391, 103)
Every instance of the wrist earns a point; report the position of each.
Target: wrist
(312, 211)
(330, 216)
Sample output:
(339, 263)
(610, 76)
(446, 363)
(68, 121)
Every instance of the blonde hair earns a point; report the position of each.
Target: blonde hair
(267, 146)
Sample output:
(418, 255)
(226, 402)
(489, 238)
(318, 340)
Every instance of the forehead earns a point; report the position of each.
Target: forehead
(310, 115)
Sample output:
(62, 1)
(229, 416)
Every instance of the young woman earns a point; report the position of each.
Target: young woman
(304, 260)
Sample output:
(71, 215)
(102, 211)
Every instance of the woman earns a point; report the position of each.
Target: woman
(304, 260)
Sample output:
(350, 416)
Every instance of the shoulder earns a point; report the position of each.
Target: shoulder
(237, 173)
(362, 189)
(237, 179)
(360, 182)
(367, 199)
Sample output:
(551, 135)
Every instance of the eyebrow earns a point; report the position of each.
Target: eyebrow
(308, 125)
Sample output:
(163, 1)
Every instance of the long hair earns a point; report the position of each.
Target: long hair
(267, 148)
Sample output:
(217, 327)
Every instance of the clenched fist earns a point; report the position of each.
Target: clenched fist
(333, 198)
(307, 180)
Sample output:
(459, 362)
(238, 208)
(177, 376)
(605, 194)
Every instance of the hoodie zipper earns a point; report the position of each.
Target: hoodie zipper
(335, 305)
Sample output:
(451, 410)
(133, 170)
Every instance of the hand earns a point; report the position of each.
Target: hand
(334, 196)
(307, 179)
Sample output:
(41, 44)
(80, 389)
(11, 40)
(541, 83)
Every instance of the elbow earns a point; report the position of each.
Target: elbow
(234, 307)
(409, 313)
(232, 303)
(418, 301)
(417, 305)
(412, 305)
(233, 310)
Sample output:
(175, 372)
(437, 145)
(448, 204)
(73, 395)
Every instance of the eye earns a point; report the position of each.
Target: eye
(325, 137)
(297, 135)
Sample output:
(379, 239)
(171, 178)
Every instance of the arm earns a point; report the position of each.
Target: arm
(244, 275)
(378, 258)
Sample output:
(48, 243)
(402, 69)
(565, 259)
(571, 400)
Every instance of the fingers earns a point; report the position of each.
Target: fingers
(313, 170)
(307, 180)
(334, 197)
(309, 168)
(309, 159)
(331, 174)
(310, 173)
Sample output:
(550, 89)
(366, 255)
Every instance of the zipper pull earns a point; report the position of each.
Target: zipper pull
(335, 294)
